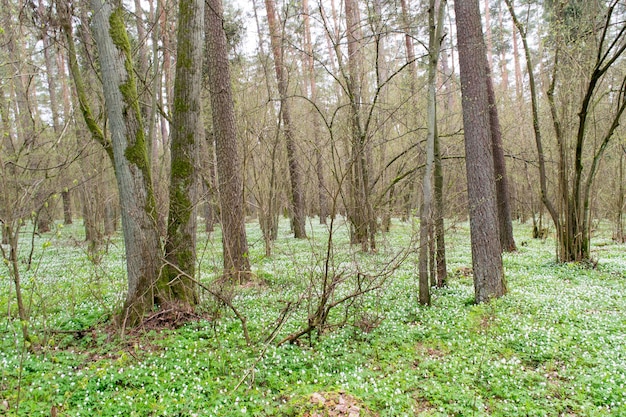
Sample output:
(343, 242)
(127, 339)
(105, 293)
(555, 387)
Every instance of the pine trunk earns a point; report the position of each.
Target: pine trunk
(505, 225)
(489, 279)
(236, 260)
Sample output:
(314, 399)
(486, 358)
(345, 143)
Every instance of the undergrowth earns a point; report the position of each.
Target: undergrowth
(554, 346)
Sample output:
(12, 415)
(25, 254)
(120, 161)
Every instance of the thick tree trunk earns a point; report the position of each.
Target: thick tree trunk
(178, 275)
(297, 191)
(132, 171)
(489, 279)
(236, 260)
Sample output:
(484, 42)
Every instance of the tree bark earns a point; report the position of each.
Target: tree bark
(132, 171)
(438, 216)
(435, 23)
(178, 276)
(322, 190)
(236, 260)
(297, 191)
(518, 67)
(489, 279)
(505, 225)
(360, 212)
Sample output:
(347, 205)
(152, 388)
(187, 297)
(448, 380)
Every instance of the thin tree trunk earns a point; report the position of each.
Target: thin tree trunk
(488, 35)
(236, 260)
(619, 221)
(504, 72)
(435, 23)
(535, 113)
(297, 192)
(440, 242)
(518, 67)
(380, 113)
(322, 190)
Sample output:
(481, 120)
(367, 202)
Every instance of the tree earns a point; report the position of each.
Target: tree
(572, 210)
(187, 130)
(436, 13)
(132, 170)
(507, 242)
(312, 96)
(489, 279)
(297, 193)
(360, 210)
(236, 261)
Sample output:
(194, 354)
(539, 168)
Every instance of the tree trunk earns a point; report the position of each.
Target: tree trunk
(518, 67)
(383, 128)
(435, 23)
(440, 242)
(322, 190)
(619, 219)
(236, 260)
(180, 246)
(489, 279)
(297, 191)
(132, 171)
(360, 212)
(67, 207)
(507, 242)
(488, 35)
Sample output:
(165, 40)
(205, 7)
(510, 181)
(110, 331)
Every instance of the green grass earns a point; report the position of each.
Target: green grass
(554, 346)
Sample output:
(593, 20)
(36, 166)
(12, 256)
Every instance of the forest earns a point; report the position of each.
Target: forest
(312, 208)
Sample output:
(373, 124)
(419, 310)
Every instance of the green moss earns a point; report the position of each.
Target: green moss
(118, 32)
(183, 54)
(136, 152)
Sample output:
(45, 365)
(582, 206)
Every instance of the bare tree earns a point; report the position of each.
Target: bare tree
(295, 174)
(322, 190)
(571, 212)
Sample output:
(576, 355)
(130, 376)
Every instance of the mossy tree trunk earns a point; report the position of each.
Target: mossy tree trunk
(230, 187)
(177, 280)
(132, 171)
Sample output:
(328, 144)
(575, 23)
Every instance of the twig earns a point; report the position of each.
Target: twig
(220, 296)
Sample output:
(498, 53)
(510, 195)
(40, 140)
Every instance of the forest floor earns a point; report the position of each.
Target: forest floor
(554, 346)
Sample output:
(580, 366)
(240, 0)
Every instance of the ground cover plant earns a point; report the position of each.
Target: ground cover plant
(555, 345)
